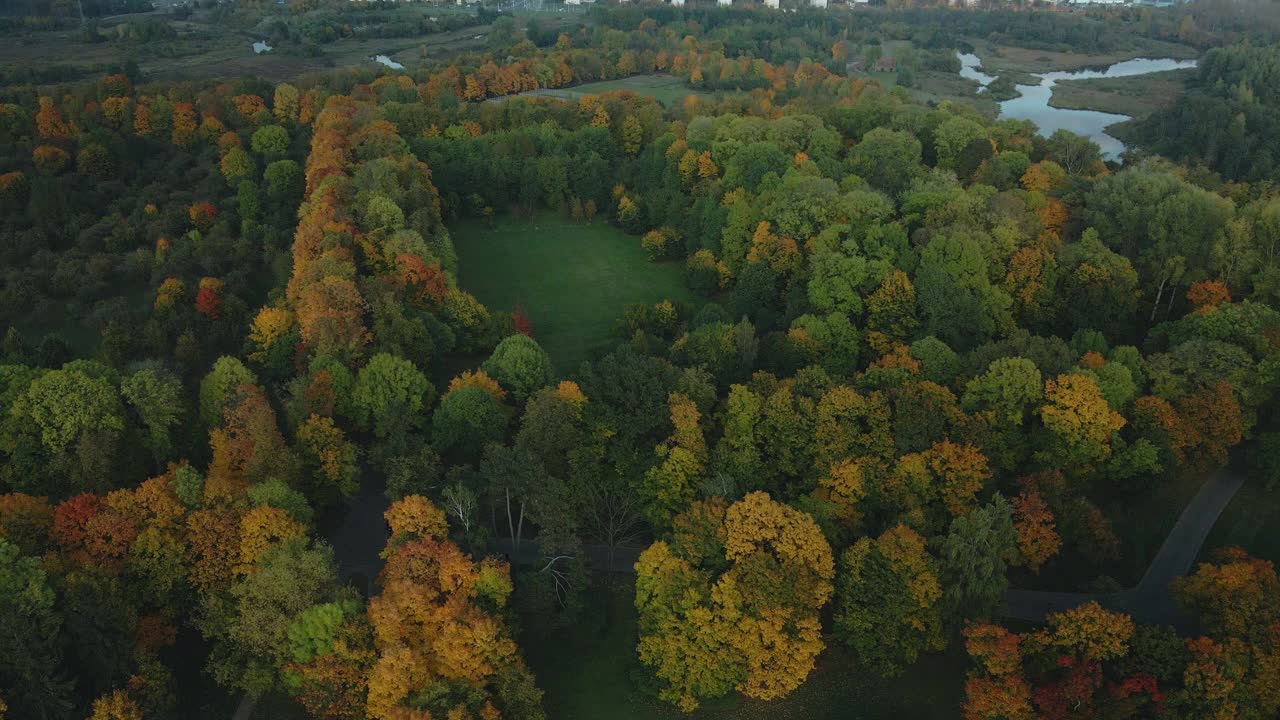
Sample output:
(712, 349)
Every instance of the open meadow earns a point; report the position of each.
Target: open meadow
(572, 279)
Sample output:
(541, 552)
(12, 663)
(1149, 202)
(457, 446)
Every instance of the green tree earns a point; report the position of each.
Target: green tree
(520, 365)
(953, 136)
(390, 396)
(157, 397)
(287, 580)
(30, 647)
(888, 159)
(973, 560)
(270, 141)
(467, 419)
(67, 404)
(219, 387)
(888, 600)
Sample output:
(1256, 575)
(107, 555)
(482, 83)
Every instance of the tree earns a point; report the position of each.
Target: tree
(270, 141)
(972, 560)
(888, 159)
(998, 690)
(466, 420)
(285, 103)
(331, 651)
(1079, 420)
(1074, 153)
(439, 634)
(669, 487)
(390, 396)
(1234, 596)
(953, 136)
(632, 135)
(219, 386)
(1087, 631)
(116, 705)
(888, 600)
(942, 481)
(157, 397)
(732, 601)
(330, 458)
(1038, 540)
(237, 165)
(520, 365)
(30, 647)
(68, 405)
(288, 577)
(891, 312)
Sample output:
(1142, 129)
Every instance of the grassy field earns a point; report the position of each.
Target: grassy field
(596, 676)
(1000, 59)
(1252, 521)
(1137, 96)
(573, 280)
(208, 47)
(665, 89)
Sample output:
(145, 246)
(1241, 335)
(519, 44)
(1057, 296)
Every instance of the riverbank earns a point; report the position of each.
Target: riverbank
(1137, 96)
(1034, 101)
(1003, 59)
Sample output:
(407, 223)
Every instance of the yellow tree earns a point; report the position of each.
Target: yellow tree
(668, 487)
(438, 627)
(731, 600)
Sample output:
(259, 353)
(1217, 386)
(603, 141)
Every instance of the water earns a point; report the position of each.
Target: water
(1033, 102)
(260, 47)
(388, 62)
(969, 64)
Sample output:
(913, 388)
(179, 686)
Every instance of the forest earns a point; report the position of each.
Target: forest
(904, 425)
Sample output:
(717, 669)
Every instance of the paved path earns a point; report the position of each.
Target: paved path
(1150, 600)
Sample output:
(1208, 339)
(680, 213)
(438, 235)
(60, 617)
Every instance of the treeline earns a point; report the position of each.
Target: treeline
(935, 353)
(1230, 118)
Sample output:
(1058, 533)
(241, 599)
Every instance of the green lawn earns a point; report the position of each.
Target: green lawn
(1251, 520)
(596, 677)
(572, 279)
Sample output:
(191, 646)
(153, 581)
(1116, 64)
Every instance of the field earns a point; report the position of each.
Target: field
(1137, 96)
(573, 280)
(594, 677)
(209, 47)
(1001, 59)
(665, 89)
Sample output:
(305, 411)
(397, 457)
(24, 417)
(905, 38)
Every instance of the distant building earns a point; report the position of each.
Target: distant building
(818, 3)
(886, 64)
(771, 4)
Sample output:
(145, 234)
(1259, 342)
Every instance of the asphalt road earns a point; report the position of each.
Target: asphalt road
(1150, 600)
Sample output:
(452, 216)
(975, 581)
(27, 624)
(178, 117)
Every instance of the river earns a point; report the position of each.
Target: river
(1033, 101)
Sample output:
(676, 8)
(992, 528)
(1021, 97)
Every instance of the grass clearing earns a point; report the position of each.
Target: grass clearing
(572, 279)
(1251, 521)
(594, 675)
(1137, 96)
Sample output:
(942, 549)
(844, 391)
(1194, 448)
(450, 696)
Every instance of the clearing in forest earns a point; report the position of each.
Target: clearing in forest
(573, 280)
